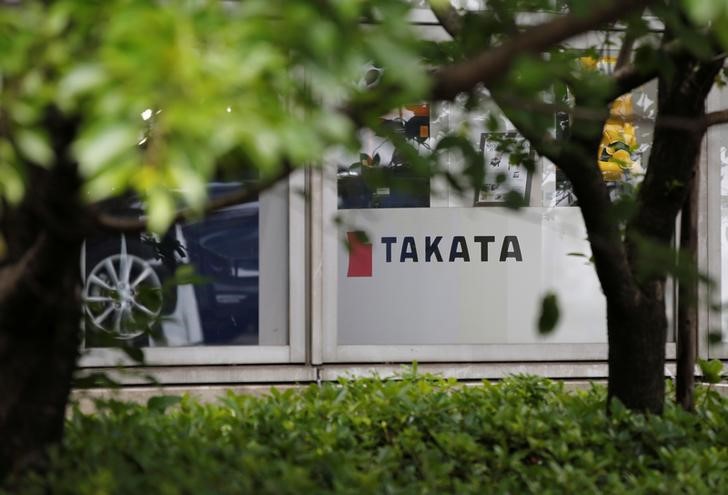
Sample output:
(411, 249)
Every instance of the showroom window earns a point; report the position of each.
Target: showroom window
(426, 270)
(212, 290)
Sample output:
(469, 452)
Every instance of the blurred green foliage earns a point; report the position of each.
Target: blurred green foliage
(549, 317)
(712, 370)
(165, 94)
(417, 434)
(164, 91)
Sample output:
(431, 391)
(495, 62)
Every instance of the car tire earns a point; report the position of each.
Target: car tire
(124, 292)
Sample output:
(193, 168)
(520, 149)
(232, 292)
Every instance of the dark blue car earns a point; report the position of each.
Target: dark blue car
(131, 291)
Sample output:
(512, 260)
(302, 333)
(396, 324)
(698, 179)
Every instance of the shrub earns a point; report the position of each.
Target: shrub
(418, 434)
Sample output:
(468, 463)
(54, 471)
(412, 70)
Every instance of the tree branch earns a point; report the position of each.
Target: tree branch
(490, 65)
(625, 50)
(715, 118)
(109, 222)
(672, 159)
(626, 76)
(688, 124)
(448, 17)
(577, 158)
(630, 77)
(11, 274)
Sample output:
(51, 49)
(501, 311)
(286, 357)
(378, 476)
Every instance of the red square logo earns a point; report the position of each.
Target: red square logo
(360, 255)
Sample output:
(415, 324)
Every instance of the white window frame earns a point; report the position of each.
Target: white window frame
(709, 229)
(293, 352)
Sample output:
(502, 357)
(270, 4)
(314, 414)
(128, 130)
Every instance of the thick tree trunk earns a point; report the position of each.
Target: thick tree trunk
(637, 334)
(636, 356)
(39, 311)
(636, 320)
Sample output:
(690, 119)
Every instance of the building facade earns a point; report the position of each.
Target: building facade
(365, 263)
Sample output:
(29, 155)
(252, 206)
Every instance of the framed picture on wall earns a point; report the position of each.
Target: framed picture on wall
(504, 171)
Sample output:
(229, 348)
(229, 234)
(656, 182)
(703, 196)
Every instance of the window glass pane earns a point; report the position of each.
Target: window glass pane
(463, 269)
(221, 280)
(380, 177)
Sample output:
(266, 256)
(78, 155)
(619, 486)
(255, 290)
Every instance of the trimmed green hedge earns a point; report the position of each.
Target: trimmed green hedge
(417, 435)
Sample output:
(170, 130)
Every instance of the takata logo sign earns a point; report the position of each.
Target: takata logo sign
(430, 249)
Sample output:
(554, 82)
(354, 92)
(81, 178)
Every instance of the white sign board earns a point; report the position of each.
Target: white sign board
(464, 276)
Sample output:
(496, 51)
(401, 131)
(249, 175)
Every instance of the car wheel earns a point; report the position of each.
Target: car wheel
(122, 292)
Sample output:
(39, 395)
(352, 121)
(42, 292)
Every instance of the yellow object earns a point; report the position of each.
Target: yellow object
(611, 171)
(619, 137)
(619, 140)
(622, 158)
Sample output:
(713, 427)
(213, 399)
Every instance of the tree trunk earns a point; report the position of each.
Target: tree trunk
(636, 355)
(637, 333)
(39, 310)
(687, 316)
(636, 320)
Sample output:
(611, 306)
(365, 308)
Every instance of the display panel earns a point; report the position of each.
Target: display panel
(465, 276)
(504, 175)
(205, 282)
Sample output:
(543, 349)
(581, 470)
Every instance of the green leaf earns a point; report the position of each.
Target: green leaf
(161, 403)
(191, 186)
(711, 370)
(78, 81)
(362, 237)
(161, 209)
(97, 379)
(549, 316)
(703, 11)
(715, 337)
(12, 186)
(514, 200)
(134, 353)
(100, 145)
(34, 146)
(24, 112)
(531, 74)
(186, 275)
(112, 181)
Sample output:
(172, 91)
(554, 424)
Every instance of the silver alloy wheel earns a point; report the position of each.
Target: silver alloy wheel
(122, 294)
